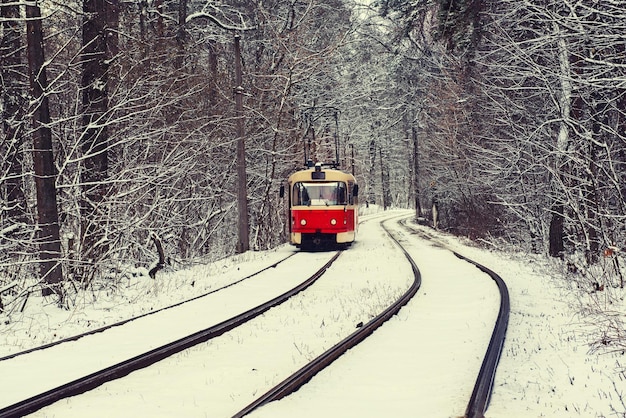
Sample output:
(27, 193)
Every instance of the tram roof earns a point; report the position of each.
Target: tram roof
(326, 174)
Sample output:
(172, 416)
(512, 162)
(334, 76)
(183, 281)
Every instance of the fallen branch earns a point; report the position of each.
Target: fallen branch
(4, 289)
(8, 287)
(161, 263)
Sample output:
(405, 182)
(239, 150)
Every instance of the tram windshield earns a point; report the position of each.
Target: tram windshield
(319, 194)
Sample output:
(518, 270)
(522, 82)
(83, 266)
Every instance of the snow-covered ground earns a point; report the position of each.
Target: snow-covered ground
(546, 369)
(422, 362)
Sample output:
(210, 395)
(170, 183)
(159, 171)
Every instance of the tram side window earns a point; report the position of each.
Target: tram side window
(341, 193)
(300, 195)
(354, 192)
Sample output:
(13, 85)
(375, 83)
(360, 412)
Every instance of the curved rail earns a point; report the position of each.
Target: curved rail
(479, 401)
(120, 323)
(122, 369)
(481, 393)
(299, 378)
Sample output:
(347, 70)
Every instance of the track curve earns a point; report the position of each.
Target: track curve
(479, 401)
(481, 394)
(482, 388)
(299, 378)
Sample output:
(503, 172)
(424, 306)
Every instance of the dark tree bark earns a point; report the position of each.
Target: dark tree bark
(371, 191)
(181, 33)
(416, 174)
(384, 179)
(13, 90)
(43, 159)
(94, 85)
(242, 188)
(111, 31)
(556, 232)
(160, 24)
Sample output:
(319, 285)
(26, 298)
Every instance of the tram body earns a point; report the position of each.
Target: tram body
(323, 208)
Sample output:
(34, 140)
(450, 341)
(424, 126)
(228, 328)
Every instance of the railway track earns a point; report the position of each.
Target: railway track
(123, 368)
(295, 381)
(481, 393)
(156, 311)
(475, 407)
(479, 399)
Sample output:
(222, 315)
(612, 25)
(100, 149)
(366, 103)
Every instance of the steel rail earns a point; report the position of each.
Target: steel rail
(302, 376)
(122, 369)
(481, 394)
(479, 401)
(125, 321)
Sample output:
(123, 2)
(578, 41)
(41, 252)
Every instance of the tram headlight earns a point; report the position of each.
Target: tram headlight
(333, 222)
(302, 222)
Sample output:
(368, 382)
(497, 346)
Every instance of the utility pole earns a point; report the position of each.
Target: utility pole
(242, 195)
(352, 158)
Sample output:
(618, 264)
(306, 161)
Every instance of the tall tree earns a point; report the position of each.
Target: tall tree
(181, 33)
(459, 25)
(94, 84)
(43, 158)
(12, 89)
(243, 243)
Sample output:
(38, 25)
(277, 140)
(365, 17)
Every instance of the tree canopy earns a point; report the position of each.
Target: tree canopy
(507, 117)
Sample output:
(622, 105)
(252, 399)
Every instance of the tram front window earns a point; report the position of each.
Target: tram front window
(319, 194)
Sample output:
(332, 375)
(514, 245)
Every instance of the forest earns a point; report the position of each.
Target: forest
(143, 130)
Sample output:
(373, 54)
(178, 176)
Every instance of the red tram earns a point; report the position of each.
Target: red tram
(323, 207)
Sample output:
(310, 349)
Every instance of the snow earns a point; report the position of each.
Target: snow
(396, 371)
(421, 362)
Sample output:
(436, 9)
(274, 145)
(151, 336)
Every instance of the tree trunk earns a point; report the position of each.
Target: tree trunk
(181, 34)
(556, 232)
(371, 189)
(95, 139)
(562, 165)
(242, 189)
(12, 92)
(418, 204)
(43, 160)
(592, 205)
(384, 180)
(111, 31)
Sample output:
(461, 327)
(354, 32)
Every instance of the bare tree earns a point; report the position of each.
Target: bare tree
(94, 84)
(45, 172)
(13, 90)
(520, 123)
(289, 68)
(571, 88)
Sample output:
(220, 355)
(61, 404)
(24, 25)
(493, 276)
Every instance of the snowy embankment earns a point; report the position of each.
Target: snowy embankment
(547, 368)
